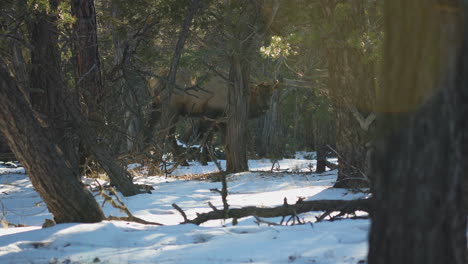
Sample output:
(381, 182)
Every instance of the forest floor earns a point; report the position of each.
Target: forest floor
(216, 241)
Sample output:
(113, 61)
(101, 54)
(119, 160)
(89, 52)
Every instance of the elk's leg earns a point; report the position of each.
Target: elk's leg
(205, 155)
(177, 151)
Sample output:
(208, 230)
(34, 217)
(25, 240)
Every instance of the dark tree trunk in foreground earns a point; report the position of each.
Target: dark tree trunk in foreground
(46, 83)
(58, 105)
(66, 198)
(420, 163)
(5, 152)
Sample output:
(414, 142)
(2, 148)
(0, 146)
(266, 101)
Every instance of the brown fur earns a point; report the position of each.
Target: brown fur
(210, 97)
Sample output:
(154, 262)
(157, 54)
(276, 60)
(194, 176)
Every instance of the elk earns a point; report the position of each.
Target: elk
(206, 99)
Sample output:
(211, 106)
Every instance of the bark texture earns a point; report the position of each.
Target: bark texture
(419, 163)
(88, 75)
(5, 152)
(245, 35)
(236, 128)
(47, 86)
(66, 198)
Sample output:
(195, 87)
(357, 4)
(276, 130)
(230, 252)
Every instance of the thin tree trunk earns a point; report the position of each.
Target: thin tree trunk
(88, 74)
(236, 129)
(49, 171)
(270, 134)
(420, 164)
(245, 33)
(321, 158)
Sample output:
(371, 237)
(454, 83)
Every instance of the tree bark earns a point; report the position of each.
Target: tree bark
(58, 105)
(5, 152)
(99, 149)
(46, 83)
(419, 163)
(344, 206)
(88, 74)
(322, 133)
(49, 170)
(245, 34)
(270, 136)
(236, 128)
(321, 158)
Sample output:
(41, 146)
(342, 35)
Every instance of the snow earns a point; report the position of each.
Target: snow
(217, 241)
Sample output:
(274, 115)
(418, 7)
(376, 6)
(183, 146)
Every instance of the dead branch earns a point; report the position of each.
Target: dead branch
(343, 206)
(121, 206)
(364, 123)
(330, 165)
(258, 221)
(180, 211)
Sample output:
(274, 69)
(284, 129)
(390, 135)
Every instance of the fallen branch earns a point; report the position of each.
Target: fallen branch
(122, 207)
(343, 206)
(330, 165)
(259, 221)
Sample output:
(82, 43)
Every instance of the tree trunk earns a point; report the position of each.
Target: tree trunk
(88, 74)
(100, 150)
(51, 98)
(351, 88)
(419, 163)
(49, 170)
(270, 136)
(127, 95)
(46, 83)
(246, 27)
(5, 152)
(322, 134)
(321, 158)
(236, 129)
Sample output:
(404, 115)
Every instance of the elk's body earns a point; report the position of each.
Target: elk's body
(209, 96)
(206, 98)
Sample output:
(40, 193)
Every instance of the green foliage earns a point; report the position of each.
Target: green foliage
(66, 19)
(39, 5)
(278, 48)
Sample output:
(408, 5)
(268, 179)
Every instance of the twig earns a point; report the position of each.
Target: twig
(121, 206)
(181, 212)
(212, 206)
(354, 167)
(264, 221)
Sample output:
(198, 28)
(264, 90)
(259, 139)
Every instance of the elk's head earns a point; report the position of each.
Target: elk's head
(260, 98)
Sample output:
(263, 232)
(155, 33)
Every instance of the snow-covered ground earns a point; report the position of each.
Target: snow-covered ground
(343, 241)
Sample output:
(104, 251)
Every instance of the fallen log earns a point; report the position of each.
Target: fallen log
(331, 166)
(301, 206)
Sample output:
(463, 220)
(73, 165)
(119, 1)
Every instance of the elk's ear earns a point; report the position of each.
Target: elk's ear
(152, 82)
